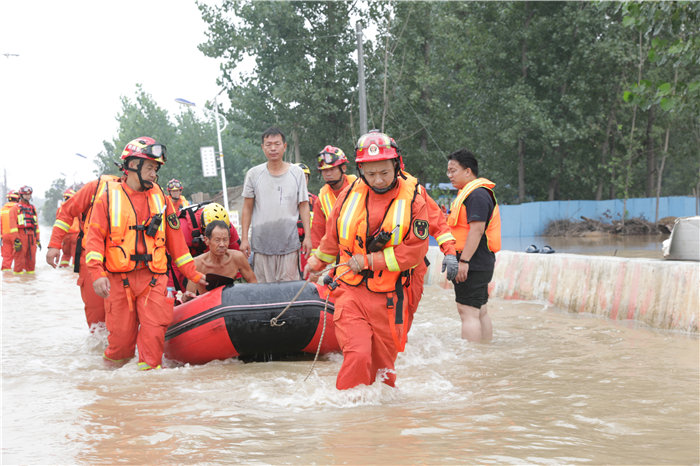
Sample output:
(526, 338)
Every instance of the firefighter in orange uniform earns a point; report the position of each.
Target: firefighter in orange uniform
(439, 230)
(175, 194)
(379, 227)
(332, 164)
(8, 251)
(79, 206)
(131, 227)
(71, 237)
(24, 227)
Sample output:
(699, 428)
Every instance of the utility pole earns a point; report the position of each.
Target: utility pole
(361, 79)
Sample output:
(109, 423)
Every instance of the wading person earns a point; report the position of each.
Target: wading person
(219, 259)
(24, 228)
(79, 206)
(70, 240)
(131, 227)
(274, 197)
(379, 228)
(8, 251)
(476, 225)
(175, 194)
(332, 163)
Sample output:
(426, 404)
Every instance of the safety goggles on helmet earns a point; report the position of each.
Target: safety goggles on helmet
(145, 148)
(174, 184)
(331, 157)
(25, 190)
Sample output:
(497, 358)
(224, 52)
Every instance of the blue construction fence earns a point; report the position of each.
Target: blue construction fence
(531, 219)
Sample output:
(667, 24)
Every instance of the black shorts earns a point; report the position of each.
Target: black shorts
(474, 291)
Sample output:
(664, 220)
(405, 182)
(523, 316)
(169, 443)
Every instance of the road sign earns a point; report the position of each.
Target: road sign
(208, 161)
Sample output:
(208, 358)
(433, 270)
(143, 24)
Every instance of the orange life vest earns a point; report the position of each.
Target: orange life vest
(5, 217)
(352, 234)
(180, 203)
(125, 233)
(26, 217)
(327, 198)
(457, 220)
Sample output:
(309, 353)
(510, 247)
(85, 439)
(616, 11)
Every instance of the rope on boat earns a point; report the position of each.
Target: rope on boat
(273, 321)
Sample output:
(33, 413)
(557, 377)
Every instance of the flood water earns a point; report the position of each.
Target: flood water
(648, 246)
(552, 388)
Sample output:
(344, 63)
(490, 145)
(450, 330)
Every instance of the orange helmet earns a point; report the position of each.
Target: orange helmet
(331, 157)
(174, 184)
(145, 148)
(68, 193)
(25, 190)
(12, 195)
(375, 146)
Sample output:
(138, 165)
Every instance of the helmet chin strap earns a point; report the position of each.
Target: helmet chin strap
(387, 189)
(146, 185)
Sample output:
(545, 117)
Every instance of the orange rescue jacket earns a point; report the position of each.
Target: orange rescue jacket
(457, 220)
(353, 234)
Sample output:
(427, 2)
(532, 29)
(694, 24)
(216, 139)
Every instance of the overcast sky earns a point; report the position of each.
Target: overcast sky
(61, 95)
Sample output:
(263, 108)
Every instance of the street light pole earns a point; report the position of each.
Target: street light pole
(219, 129)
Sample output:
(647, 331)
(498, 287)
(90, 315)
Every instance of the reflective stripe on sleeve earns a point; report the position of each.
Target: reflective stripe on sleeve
(185, 258)
(324, 257)
(445, 237)
(390, 259)
(62, 225)
(94, 256)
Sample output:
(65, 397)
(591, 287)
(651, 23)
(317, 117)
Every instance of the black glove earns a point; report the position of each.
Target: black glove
(17, 245)
(38, 244)
(450, 264)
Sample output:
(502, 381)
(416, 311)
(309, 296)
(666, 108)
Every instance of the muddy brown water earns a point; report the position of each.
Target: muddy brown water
(553, 387)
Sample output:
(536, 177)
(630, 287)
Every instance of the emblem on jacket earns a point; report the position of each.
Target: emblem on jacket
(420, 228)
(173, 221)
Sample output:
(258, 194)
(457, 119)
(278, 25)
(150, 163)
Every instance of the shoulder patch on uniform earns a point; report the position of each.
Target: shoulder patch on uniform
(420, 228)
(173, 221)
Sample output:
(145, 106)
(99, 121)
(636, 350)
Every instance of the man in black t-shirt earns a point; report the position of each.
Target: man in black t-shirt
(476, 225)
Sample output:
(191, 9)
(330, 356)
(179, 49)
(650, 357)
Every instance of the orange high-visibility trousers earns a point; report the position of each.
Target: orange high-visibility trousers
(94, 304)
(414, 293)
(8, 252)
(68, 248)
(25, 258)
(361, 320)
(144, 324)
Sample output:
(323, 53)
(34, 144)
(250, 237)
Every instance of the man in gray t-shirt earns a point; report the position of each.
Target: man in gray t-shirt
(274, 197)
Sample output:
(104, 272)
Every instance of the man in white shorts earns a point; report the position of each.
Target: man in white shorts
(274, 198)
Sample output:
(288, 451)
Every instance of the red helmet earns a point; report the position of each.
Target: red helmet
(145, 148)
(174, 184)
(375, 146)
(12, 195)
(68, 193)
(25, 190)
(331, 157)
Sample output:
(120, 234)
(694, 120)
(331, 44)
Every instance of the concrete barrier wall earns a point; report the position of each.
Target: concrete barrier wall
(662, 294)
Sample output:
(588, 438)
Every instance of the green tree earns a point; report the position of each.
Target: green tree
(53, 197)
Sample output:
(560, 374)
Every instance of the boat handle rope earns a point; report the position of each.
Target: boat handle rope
(274, 320)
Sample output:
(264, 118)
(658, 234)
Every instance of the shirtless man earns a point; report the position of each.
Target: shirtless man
(220, 259)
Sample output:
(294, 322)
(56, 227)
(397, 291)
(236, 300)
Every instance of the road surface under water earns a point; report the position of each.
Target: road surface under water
(553, 387)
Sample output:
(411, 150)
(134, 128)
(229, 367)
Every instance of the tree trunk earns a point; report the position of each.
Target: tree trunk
(651, 157)
(660, 172)
(297, 149)
(521, 170)
(605, 152)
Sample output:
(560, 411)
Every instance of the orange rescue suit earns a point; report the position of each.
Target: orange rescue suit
(79, 207)
(24, 224)
(457, 220)
(325, 202)
(180, 203)
(367, 322)
(7, 237)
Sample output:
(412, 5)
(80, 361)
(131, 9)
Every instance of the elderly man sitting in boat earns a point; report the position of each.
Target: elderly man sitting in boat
(219, 260)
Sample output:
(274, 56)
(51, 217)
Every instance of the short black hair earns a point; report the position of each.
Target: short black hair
(273, 131)
(214, 224)
(465, 159)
